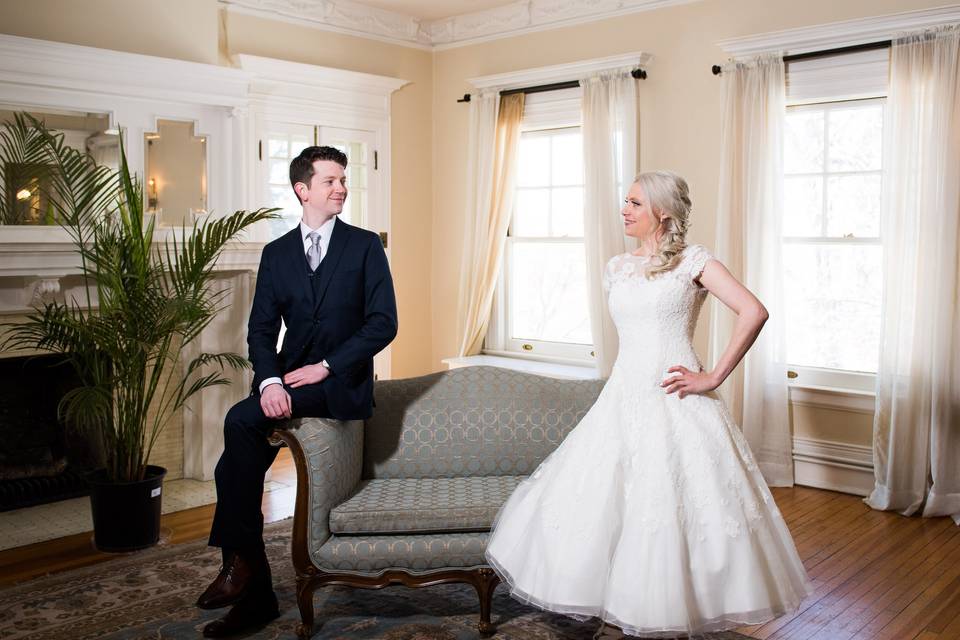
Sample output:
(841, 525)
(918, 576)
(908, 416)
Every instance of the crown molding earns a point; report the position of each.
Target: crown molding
(513, 19)
(531, 16)
(42, 63)
(340, 16)
(839, 34)
(560, 72)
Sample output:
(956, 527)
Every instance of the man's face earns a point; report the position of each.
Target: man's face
(327, 190)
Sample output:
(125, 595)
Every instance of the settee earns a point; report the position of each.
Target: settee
(409, 496)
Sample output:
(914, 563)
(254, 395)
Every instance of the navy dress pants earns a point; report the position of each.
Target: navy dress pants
(238, 520)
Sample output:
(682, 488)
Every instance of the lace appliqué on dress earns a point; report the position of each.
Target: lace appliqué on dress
(626, 266)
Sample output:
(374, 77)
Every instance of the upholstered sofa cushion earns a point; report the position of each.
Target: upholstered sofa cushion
(416, 505)
(364, 555)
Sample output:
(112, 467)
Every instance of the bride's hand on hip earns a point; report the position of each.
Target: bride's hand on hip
(687, 382)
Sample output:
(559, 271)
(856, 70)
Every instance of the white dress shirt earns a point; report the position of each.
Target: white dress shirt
(325, 230)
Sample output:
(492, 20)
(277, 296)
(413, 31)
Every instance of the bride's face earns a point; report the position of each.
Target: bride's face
(639, 220)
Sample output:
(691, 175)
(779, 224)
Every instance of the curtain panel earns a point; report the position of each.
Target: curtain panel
(916, 443)
(494, 145)
(610, 151)
(750, 206)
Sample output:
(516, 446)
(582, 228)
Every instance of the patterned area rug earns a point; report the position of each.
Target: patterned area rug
(151, 595)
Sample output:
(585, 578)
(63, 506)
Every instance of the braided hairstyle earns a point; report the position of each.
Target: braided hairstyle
(669, 199)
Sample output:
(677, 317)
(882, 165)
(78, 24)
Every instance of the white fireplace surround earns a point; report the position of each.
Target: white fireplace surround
(227, 105)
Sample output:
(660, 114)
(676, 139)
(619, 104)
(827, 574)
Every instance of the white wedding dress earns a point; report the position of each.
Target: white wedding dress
(652, 514)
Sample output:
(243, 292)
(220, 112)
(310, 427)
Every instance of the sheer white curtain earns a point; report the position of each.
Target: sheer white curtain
(917, 422)
(748, 243)
(610, 163)
(494, 145)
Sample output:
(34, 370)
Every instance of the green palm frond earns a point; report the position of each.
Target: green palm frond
(222, 360)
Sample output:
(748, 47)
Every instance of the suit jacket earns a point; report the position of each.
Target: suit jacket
(352, 317)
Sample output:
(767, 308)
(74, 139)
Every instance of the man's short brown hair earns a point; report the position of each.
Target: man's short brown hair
(301, 167)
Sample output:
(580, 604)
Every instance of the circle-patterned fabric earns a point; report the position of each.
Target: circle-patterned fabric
(474, 421)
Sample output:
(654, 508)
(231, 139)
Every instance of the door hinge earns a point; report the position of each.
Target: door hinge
(376, 161)
(383, 238)
(260, 150)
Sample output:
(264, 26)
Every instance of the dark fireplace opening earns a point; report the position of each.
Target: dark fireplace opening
(41, 459)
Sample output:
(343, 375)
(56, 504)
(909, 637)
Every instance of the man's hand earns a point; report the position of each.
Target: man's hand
(310, 374)
(275, 402)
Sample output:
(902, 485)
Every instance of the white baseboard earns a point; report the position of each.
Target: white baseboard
(836, 466)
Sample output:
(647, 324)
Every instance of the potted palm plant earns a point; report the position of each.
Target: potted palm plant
(145, 302)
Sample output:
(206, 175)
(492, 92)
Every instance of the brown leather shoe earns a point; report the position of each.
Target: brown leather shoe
(234, 581)
(250, 614)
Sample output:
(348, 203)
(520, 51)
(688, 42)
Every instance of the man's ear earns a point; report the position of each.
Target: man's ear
(300, 188)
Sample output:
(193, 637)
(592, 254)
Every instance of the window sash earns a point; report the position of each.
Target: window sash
(804, 376)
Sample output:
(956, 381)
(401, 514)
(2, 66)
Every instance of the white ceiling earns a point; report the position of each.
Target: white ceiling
(435, 9)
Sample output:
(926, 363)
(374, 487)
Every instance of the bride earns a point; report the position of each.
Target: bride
(652, 514)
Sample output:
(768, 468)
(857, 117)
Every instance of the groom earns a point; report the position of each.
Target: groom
(330, 284)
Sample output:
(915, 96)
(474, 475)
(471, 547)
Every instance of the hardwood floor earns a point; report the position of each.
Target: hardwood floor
(877, 576)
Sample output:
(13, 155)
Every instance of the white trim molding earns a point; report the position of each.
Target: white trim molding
(296, 84)
(41, 64)
(837, 466)
(561, 72)
(511, 19)
(839, 34)
(852, 400)
(339, 16)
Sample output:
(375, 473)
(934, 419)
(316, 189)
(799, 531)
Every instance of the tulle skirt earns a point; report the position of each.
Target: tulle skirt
(652, 516)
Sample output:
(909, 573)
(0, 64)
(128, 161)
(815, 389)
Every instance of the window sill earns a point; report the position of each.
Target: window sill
(550, 369)
(835, 398)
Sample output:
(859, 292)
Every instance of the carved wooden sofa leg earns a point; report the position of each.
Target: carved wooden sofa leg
(305, 589)
(485, 585)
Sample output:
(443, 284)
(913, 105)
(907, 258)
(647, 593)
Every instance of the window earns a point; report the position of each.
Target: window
(544, 283)
(282, 143)
(833, 176)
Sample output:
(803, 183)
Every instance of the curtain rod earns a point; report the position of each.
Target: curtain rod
(639, 74)
(823, 53)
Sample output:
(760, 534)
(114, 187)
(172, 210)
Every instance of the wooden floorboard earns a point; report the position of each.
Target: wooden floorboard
(876, 576)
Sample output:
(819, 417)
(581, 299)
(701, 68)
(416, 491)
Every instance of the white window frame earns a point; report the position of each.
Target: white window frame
(813, 84)
(542, 112)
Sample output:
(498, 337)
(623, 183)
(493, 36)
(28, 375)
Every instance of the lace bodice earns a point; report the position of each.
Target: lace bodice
(655, 317)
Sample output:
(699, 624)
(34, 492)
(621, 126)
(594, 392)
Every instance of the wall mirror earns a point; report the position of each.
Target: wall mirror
(175, 175)
(24, 185)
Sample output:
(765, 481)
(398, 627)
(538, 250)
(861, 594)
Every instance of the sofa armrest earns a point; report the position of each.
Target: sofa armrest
(329, 458)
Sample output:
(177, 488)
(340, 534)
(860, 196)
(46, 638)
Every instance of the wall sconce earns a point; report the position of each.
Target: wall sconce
(152, 199)
(24, 194)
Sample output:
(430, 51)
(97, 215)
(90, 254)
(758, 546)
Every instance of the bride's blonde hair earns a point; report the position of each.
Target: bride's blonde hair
(669, 199)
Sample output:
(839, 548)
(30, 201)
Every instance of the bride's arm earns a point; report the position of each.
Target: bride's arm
(751, 315)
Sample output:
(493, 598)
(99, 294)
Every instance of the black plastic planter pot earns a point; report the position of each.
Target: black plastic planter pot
(126, 515)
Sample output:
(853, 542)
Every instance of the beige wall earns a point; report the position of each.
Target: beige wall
(183, 29)
(679, 127)
(411, 139)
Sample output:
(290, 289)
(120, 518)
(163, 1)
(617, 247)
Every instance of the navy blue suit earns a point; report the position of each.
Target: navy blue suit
(345, 313)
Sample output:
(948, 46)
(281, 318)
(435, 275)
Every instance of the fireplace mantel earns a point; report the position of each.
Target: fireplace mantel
(48, 252)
